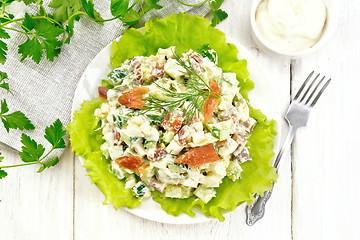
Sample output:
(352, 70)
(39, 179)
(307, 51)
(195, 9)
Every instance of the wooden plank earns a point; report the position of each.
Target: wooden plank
(96, 221)
(37, 206)
(326, 161)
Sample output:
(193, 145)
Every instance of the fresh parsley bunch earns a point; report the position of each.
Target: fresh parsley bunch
(31, 152)
(47, 32)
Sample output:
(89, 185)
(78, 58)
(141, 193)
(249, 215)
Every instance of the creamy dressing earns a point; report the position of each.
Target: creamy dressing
(130, 132)
(291, 25)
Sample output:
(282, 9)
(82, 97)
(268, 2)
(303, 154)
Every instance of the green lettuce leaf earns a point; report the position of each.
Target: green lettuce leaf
(184, 32)
(86, 140)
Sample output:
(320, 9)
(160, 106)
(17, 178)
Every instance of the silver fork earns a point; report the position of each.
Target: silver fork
(297, 116)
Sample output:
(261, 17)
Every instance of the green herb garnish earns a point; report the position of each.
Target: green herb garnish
(46, 33)
(198, 91)
(215, 132)
(33, 153)
(206, 51)
(14, 120)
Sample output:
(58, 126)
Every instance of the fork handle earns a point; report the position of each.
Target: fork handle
(256, 210)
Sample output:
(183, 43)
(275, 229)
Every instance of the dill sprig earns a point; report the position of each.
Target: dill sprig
(198, 91)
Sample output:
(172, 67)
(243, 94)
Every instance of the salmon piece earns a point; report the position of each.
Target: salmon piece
(130, 162)
(212, 101)
(103, 92)
(199, 156)
(132, 98)
(175, 122)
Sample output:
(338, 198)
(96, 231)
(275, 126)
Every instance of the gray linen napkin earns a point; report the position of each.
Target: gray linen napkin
(44, 92)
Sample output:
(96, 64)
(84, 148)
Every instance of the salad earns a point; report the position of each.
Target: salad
(173, 122)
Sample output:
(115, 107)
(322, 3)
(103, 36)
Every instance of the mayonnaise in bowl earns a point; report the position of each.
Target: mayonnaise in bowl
(291, 25)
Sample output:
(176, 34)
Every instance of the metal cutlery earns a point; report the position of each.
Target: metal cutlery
(297, 116)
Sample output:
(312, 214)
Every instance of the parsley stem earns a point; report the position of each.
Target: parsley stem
(109, 19)
(47, 19)
(141, 6)
(192, 5)
(74, 15)
(20, 165)
(46, 154)
(13, 29)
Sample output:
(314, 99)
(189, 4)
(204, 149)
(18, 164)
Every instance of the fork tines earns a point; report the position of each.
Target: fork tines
(310, 101)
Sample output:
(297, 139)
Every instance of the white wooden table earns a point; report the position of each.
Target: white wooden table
(316, 196)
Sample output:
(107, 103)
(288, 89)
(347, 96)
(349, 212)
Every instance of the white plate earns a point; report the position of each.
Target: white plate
(263, 96)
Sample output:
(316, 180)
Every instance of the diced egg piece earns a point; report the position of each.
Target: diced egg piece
(225, 102)
(173, 69)
(174, 147)
(150, 133)
(111, 94)
(189, 182)
(243, 110)
(137, 120)
(172, 191)
(115, 152)
(130, 181)
(168, 52)
(211, 180)
(134, 131)
(234, 170)
(231, 77)
(205, 194)
(140, 150)
(229, 147)
(198, 126)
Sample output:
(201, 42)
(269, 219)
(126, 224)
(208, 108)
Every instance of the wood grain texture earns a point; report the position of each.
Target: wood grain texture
(326, 160)
(37, 206)
(317, 200)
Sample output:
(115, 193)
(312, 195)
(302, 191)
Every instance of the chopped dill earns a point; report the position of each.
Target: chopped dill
(198, 91)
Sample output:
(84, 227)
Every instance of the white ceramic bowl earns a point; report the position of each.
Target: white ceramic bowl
(330, 25)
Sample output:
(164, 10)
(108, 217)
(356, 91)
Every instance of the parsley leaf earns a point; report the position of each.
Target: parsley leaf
(219, 15)
(27, 2)
(15, 120)
(4, 108)
(89, 9)
(3, 84)
(132, 16)
(43, 36)
(3, 45)
(119, 7)
(3, 174)
(215, 4)
(54, 134)
(64, 9)
(48, 164)
(4, 34)
(4, 3)
(31, 151)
